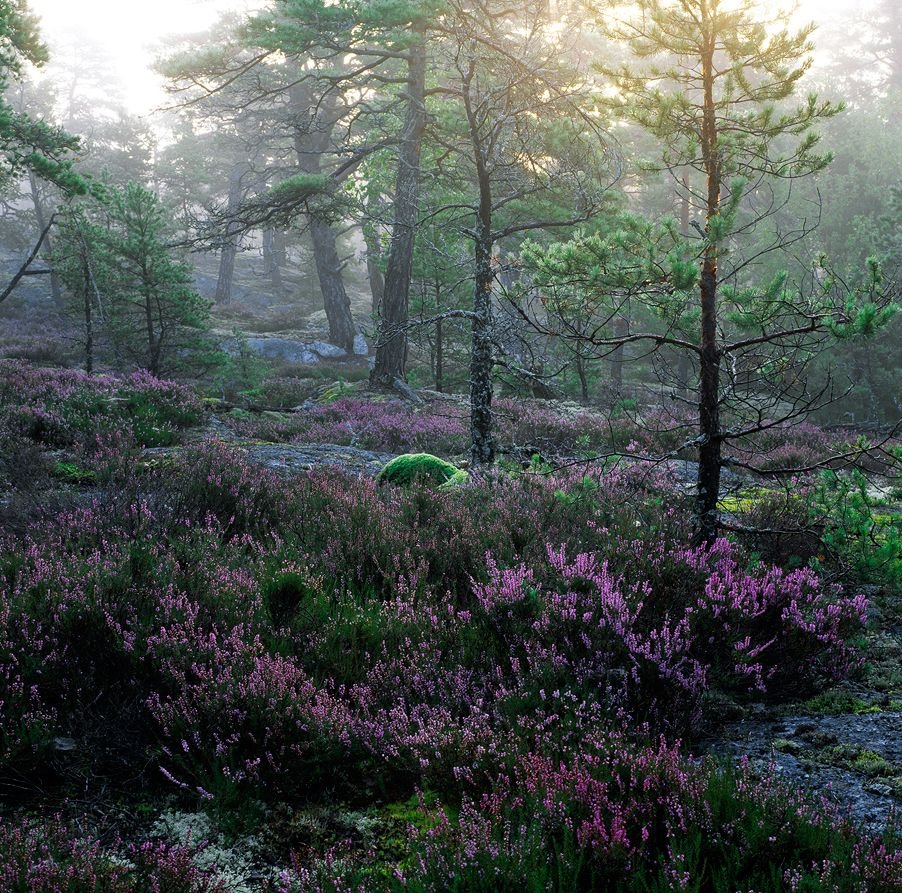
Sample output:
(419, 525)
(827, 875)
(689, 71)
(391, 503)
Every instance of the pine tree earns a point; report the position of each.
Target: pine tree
(154, 316)
(27, 144)
(712, 86)
(713, 100)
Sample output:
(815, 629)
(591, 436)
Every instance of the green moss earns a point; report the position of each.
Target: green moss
(858, 759)
(412, 812)
(837, 703)
(785, 745)
(869, 763)
(336, 392)
(743, 501)
(458, 479)
(424, 467)
(73, 474)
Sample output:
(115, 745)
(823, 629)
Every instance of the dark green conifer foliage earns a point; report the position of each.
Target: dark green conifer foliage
(155, 317)
(27, 144)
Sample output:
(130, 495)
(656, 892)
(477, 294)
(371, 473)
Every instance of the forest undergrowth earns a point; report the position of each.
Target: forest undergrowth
(502, 683)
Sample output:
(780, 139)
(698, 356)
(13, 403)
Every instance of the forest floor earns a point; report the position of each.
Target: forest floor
(843, 742)
(846, 742)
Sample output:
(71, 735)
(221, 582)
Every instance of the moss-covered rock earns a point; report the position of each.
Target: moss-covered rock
(404, 470)
(459, 478)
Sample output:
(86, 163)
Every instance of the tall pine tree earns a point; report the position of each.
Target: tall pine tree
(709, 84)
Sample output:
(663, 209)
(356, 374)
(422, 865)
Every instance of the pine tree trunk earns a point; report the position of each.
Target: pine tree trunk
(271, 265)
(709, 451)
(226, 275)
(482, 448)
(310, 144)
(482, 443)
(391, 345)
(335, 296)
(229, 252)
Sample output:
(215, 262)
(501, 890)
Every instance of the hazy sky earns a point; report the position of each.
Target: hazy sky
(130, 29)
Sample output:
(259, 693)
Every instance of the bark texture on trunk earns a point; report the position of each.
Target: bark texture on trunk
(310, 142)
(335, 297)
(226, 277)
(391, 345)
(482, 441)
(229, 251)
(482, 448)
(710, 444)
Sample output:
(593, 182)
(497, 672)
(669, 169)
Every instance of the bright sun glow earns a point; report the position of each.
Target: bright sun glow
(130, 33)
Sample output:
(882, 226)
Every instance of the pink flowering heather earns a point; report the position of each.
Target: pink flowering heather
(517, 647)
(382, 425)
(242, 716)
(61, 407)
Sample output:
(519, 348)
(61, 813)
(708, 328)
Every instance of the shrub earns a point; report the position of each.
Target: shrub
(59, 407)
(244, 718)
(50, 859)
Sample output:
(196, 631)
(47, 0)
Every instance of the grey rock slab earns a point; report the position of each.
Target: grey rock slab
(294, 459)
(299, 458)
(327, 351)
(867, 802)
(290, 351)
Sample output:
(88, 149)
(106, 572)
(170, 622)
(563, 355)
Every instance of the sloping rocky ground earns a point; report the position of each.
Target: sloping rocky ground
(845, 743)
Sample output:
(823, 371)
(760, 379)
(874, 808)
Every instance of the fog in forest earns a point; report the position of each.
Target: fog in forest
(156, 96)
